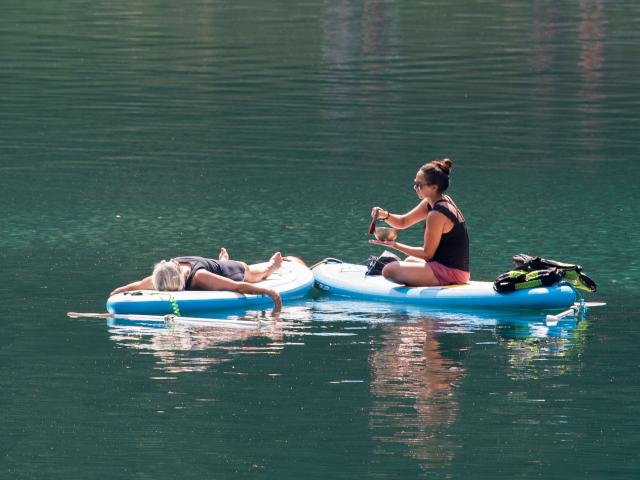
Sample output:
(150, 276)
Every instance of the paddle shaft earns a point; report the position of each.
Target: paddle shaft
(566, 313)
(575, 309)
(172, 319)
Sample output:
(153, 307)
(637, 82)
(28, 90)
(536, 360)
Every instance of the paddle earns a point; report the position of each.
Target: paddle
(372, 227)
(595, 304)
(175, 319)
(552, 320)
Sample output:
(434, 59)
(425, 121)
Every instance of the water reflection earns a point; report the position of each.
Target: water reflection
(546, 59)
(413, 382)
(418, 363)
(192, 348)
(411, 336)
(506, 324)
(592, 50)
(543, 61)
(544, 42)
(592, 58)
(175, 347)
(358, 41)
(564, 343)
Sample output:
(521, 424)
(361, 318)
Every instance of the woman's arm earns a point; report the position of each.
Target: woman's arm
(203, 280)
(250, 288)
(401, 222)
(401, 247)
(144, 284)
(432, 236)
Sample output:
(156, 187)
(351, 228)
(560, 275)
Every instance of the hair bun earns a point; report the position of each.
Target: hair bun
(445, 165)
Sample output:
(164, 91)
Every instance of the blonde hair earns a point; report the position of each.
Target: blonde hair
(166, 276)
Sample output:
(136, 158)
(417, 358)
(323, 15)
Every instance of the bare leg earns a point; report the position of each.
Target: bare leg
(412, 274)
(258, 272)
(223, 255)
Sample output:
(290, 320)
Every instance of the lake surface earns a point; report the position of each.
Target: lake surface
(132, 131)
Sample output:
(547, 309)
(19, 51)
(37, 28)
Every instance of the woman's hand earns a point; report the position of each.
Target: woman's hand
(246, 288)
(124, 288)
(378, 212)
(117, 290)
(386, 243)
(144, 284)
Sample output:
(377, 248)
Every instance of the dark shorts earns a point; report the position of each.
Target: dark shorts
(231, 269)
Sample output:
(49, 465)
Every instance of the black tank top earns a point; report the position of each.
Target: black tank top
(453, 250)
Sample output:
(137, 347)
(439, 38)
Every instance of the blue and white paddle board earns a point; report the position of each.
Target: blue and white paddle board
(291, 280)
(349, 280)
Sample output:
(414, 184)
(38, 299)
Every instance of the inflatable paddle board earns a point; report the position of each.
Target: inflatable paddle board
(349, 280)
(291, 280)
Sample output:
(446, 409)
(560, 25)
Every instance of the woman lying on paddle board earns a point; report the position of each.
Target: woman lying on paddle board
(198, 273)
(443, 259)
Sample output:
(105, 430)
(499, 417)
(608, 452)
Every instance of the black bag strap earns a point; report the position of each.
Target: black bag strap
(591, 285)
(522, 260)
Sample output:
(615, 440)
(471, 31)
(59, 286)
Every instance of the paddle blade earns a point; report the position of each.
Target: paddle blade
(88, 315)
(372, 227)
(595, 304)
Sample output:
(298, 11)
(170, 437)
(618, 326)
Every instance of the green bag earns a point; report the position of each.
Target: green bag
(573, 274)
(531, 272)
(521, 279)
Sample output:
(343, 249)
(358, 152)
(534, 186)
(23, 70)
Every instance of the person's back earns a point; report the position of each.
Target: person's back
(453, 249)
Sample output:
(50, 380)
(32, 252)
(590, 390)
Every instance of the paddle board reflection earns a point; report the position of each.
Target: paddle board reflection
(184, 347)
(419, 367)
(414, 384)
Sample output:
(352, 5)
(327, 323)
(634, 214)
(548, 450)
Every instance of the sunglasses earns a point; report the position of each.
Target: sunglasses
(418, 185)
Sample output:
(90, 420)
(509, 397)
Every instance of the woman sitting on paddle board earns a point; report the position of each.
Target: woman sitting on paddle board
(198, 273)
(443, 259)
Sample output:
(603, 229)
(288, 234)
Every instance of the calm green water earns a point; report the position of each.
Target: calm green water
(135, 130)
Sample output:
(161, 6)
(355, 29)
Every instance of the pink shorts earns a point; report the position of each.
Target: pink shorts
(449, 276)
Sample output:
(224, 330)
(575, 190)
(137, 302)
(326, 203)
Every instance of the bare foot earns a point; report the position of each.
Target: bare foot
(223, 255)
(275, 261)
(258, 272)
